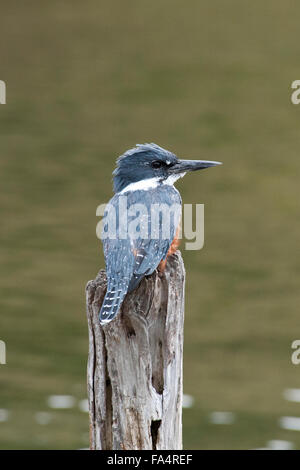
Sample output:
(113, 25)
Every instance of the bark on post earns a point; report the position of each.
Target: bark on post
(135, 364)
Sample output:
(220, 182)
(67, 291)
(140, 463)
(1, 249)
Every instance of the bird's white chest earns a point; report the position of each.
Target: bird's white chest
(151, 183)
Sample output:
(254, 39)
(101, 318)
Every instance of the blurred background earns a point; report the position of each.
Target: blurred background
(212, 80)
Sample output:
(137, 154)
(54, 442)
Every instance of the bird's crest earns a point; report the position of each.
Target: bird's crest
(133, 164)
(143, 148)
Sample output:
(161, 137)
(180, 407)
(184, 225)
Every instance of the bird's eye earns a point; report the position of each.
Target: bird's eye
(157, 164)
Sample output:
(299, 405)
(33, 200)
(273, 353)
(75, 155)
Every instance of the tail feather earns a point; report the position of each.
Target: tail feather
(112, 302)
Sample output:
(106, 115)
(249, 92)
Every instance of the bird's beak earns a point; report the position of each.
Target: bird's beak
(183, 166)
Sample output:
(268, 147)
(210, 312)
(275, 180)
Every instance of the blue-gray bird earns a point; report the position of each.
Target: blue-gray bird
(144, 180)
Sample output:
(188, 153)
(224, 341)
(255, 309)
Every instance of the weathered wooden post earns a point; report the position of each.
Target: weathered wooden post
(135, 364)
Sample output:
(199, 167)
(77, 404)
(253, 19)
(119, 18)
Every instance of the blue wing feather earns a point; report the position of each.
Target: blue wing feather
(129, 259)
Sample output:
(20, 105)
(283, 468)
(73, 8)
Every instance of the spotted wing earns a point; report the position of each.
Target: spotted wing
(131, 258)
(150, 251)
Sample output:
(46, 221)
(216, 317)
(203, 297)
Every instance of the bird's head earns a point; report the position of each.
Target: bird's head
(149, 161)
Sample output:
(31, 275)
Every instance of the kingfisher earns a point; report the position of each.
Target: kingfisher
(144, 180)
